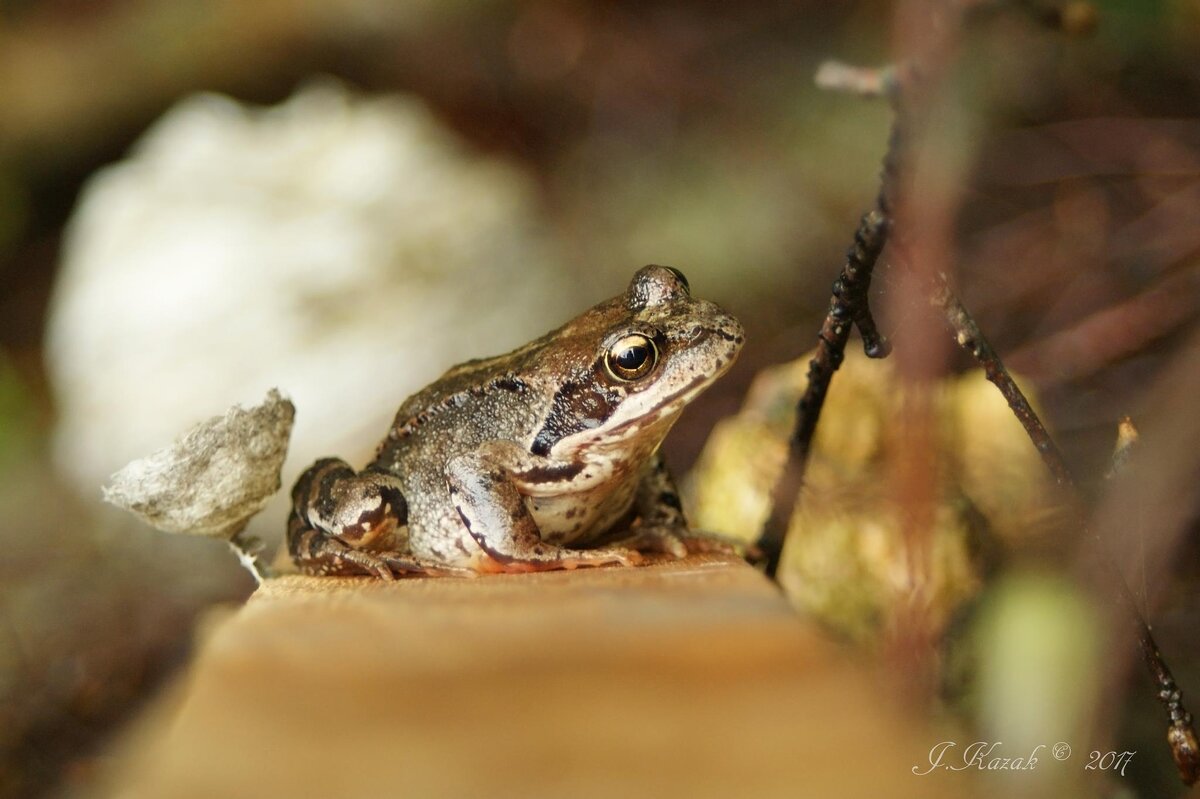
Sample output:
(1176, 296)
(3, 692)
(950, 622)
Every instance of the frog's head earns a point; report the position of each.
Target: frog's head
(640, 358)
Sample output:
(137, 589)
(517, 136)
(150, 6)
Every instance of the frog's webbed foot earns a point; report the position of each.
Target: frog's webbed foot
(659, 539)
(346, 523)
(678, 542)
(550, 557)
(495, 515)
(318, 553)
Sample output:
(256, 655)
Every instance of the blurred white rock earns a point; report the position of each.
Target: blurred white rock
(347, 249)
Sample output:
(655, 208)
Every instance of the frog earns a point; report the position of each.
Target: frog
(544, 458)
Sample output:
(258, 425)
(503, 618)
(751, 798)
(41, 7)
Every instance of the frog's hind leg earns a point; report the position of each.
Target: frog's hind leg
(347, 523)
(494, 513)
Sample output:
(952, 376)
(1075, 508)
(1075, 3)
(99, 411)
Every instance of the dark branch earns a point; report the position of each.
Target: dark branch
(1181, 736)
(968, 336)
(847, 307)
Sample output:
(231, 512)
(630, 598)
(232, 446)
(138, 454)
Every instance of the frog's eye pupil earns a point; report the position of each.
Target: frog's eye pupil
(631, 357)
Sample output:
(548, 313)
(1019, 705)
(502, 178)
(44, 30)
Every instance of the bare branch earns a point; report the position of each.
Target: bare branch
(862, 81)
(1127, 439)
(968, 336)
(1181, 736)
(849, 306)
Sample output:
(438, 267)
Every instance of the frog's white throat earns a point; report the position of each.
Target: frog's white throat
(640, 427)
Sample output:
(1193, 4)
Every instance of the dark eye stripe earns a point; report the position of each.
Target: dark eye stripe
(577, 406)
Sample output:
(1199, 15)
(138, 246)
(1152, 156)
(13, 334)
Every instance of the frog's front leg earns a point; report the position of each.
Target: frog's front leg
(661, 525)
(484, 489)
(346, 523)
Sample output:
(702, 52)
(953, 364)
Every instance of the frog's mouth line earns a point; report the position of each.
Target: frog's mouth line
(696, 386)
(681, 396)
(642, 422)
(666, 406)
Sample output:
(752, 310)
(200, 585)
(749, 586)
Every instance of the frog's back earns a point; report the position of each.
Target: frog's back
(462, 408)
(498, 397)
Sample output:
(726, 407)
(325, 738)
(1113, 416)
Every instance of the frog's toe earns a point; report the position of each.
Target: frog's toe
(555, 558)
(680, 542)
(697, 541)
(334, 561)
(665, 540)
(603, 556)
(376, 567)
(402, 564)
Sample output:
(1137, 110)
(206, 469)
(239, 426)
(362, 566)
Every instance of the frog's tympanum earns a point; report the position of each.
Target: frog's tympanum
(544, 458)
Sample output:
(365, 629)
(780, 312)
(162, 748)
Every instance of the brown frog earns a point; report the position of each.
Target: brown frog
(544, 458)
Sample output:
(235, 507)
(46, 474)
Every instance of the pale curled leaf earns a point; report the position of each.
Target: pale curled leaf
(214, 477)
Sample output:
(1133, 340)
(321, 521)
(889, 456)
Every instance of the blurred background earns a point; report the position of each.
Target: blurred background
(200, 201)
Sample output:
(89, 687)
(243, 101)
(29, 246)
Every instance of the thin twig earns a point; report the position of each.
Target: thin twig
(1127, 440)
(842, 77)
(247, 551)
(968, 336)
(1181, 736)
(848, 307)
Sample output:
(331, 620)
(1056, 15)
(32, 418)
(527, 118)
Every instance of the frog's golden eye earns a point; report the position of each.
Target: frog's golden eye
(631, 357)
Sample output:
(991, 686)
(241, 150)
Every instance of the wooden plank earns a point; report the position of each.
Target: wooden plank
(690, 678)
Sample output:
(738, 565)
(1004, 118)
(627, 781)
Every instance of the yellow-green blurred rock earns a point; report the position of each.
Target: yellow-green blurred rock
(995, 464)
(847, 560)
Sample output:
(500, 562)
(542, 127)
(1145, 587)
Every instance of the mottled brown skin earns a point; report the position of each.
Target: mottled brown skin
(530, 460)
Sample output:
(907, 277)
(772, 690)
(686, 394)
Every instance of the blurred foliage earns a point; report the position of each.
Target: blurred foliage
(14, 211)
(1030, 666)
(20, 432)
(849, 560)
